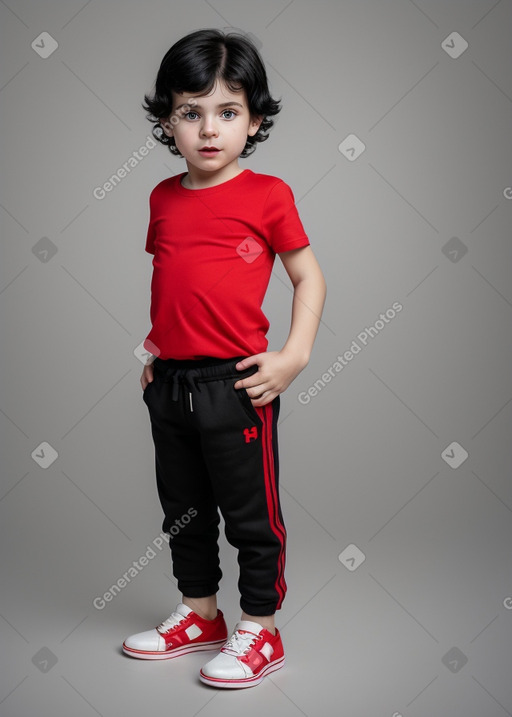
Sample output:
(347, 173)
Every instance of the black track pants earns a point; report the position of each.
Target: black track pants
(215, 450)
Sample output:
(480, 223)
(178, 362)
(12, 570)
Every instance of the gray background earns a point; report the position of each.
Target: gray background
(421, 216)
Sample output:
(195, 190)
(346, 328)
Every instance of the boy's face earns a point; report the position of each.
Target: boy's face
(220, 120)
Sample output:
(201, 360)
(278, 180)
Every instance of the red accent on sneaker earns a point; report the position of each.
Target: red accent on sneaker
(256, 659)
(264, 655)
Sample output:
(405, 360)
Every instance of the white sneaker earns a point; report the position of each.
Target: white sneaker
(183, 632)
(251, 653)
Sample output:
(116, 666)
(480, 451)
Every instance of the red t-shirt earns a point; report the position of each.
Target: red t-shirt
(214, 249)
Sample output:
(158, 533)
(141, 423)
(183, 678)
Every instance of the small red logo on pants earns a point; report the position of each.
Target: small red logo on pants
(251, 434)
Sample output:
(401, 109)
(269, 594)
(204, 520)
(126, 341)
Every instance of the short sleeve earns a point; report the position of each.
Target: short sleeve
(150, 237)
(281, 222)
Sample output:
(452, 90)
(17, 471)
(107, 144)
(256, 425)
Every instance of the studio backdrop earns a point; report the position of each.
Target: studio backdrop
(395, 450)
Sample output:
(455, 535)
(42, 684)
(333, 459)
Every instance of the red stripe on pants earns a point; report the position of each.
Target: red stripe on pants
(266, 415)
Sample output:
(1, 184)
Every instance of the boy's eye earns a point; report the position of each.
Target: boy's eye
(193, 115)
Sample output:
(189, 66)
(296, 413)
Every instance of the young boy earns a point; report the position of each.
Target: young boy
(212, 390)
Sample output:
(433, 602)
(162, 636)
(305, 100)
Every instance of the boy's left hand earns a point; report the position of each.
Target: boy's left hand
(276, 371)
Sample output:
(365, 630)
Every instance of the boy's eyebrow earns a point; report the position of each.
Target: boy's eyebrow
(224, 104)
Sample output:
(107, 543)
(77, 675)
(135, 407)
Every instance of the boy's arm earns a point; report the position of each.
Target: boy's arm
(277, 369)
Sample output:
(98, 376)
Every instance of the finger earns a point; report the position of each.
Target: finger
(248, 362)
(257, 390)
(147, 376)
(264, 399)
(249, 381)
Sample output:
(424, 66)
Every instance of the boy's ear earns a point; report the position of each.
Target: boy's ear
(167, 127)
(254, 125)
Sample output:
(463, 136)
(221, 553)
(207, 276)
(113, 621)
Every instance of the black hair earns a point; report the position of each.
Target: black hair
(195, 63)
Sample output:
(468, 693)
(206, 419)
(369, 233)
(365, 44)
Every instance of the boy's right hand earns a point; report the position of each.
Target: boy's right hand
(147, 376)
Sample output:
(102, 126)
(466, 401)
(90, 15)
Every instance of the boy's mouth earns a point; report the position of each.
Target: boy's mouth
(209, 150)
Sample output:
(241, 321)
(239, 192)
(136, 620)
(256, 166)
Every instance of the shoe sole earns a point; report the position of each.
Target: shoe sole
(248, 682)
(178, 652)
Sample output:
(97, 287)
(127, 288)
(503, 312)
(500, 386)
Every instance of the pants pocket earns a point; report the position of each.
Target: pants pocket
(147, 390)
(246, 404)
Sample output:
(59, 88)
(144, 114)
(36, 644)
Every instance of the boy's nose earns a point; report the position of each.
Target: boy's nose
(208, 129)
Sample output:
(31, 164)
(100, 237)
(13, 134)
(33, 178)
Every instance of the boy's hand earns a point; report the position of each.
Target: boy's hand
(147, 376)
(276, 371)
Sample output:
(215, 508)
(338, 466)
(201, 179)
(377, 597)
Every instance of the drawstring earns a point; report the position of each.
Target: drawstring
(178, 378)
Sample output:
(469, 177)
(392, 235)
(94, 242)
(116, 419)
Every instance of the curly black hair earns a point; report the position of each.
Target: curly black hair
(195, 63)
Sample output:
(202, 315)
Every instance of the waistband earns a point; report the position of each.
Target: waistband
(190, 373)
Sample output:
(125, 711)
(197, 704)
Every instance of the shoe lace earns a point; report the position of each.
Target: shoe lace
(171, 622)
(240, 642)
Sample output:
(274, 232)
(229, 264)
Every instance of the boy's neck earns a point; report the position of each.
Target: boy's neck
(197, 179)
